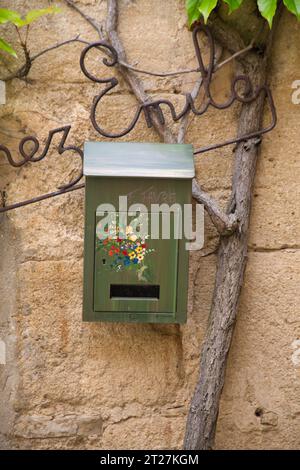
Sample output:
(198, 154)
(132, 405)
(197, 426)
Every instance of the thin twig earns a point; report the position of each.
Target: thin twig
(159, 74)
(23, 71)
(19, 35)
(186, 71)
(56, 46)
(133, 68)
(234, 56)
(90, 20)
(27, 32)
(184, 123)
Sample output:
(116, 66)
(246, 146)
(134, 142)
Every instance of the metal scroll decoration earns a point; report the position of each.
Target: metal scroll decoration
(32, 157)
(148, 109)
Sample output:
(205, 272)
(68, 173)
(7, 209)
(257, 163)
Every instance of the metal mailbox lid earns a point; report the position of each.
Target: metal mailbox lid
(147, 160)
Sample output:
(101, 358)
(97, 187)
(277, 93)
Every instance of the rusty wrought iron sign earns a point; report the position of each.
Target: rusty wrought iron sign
(159, 107)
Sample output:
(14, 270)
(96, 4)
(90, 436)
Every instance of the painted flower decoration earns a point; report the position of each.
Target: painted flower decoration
(124, 253)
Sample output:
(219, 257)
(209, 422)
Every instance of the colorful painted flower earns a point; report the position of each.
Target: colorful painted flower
(125, 248)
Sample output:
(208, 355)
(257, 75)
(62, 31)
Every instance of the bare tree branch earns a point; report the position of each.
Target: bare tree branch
(232, 258)
(224, 223)
(135, 84)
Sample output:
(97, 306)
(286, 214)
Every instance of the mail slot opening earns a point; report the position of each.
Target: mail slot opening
(134, 291)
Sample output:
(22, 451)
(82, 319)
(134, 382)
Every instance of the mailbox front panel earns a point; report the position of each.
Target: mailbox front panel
(127, 297)
(136, 276)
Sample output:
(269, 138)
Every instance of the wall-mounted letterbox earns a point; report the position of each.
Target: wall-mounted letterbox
(135, 257)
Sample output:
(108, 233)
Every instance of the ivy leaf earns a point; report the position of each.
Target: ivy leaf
(4, 46)
(293, 6)
(267, 9)
(233, 4)
(206, 7)
(192, 8)
(8, 15)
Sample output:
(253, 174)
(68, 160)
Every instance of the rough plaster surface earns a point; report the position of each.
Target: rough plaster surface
(69, 384)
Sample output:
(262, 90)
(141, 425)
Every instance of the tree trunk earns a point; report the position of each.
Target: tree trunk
(232, 257)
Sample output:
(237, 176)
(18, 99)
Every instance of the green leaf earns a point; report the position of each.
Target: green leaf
(8, 16)
(206, 7)
(192, 9)
(293, 6)
(34, 15)
(267, 9)
(4, 46)
(233, 4)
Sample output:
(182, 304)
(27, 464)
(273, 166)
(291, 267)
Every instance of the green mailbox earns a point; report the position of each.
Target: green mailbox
(135, 257)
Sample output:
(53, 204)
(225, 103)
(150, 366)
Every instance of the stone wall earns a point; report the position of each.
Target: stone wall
(69, 384)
